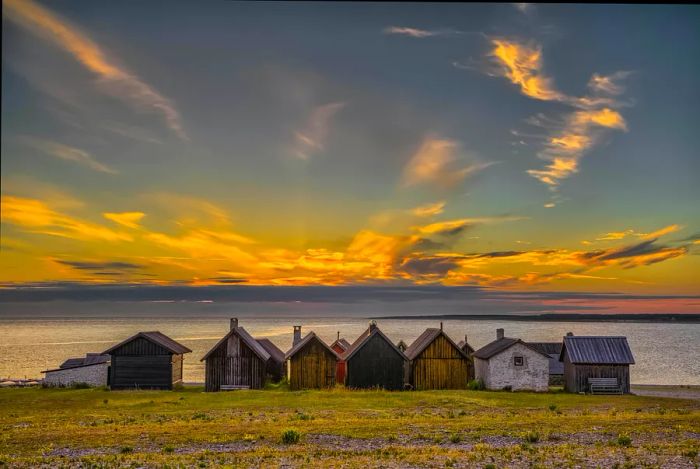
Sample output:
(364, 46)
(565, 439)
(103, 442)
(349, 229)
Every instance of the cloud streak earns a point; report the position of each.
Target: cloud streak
(312, 138)
(420, 33)
(120, 82)
(69, 153)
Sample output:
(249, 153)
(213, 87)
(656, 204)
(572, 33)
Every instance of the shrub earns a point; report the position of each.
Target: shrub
(624, 440)
(532, 437)
(691, 453)
(476, 385)
(552, 407)
(290, 437)
(168, 449)
(490, 466)
(126, 449)
(455, 438)
(80, 386)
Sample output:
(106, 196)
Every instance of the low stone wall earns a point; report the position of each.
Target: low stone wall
(93, 375)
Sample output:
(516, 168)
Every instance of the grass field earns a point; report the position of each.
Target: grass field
(339, 428)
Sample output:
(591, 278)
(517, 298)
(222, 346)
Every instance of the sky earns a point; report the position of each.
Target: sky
(506, 147)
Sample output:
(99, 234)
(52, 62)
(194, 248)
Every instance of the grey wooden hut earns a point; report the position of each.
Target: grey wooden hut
(373, 361)
(276, 365)
(590, 358)
(147, 360)
(436, 362)
(237, 361)
(556, 368)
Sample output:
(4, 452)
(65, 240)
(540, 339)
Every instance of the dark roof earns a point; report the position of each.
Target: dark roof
(275, 353)
(252, 344)
(462, 343)
(555, 366)
(597, 350)
(157, 338)
(425, 339)
(499, 345)
(87, 360)
(344, 344)
(364, 338)
(302, 343)
(548, 347)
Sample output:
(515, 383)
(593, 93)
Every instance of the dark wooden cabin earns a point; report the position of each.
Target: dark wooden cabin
(237, 361)
(556, 368)
(587, 357)
(468, 349)
(147, 360)
(373, 361)
(340, 346)
(311, 363)
(436, 362)
(276, 365)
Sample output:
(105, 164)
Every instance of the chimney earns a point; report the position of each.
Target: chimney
(440, 325)
(499, 333)
(465, 339)
(372, 325)
(338, 338)
(297, 335)
(234, 323)
(569, 334)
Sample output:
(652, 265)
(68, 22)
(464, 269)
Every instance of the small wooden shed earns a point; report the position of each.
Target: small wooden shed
(237, 361)
(468, 349)
(436, 362)
(587, 357)
(311, 363)
(340, 346)
(373, 361)
(276, 365)
(147, 360)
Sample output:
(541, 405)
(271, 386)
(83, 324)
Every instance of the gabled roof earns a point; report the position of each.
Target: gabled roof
(364, 338)
(157, 338)
(88, 360)
(252, 344)
(499, 345)
(303, 342)
(597, 350)
(275, 353)
(344, 344)
(462, 343)
(548, 347)
(427, 338)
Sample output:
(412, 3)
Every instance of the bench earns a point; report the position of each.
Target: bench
(232, 387)
(604, 386)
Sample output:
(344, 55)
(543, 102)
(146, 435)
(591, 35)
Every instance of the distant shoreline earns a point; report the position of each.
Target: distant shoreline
(560, 317)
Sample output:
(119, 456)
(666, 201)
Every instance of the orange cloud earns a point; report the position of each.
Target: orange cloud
(522, 65)
(128, 219)
(429, 210)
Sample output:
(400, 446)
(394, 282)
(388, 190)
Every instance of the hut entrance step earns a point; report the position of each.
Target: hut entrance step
(604, 386)
(233, 387)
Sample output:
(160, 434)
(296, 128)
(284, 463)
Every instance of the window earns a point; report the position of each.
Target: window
(518, 361)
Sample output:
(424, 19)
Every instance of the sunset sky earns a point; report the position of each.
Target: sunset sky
(509, 147)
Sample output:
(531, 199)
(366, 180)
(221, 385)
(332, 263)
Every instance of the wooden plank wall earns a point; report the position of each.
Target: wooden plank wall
(148, 372)
(177, 368)
(233, 363)
(375, 365)
(576, 376)
(140, 346)
(313, 367)
(440, 366)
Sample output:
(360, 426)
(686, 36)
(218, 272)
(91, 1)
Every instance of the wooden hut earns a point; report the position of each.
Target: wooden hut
(237, 361)
(276, 365)
(436, 362)
(311, 363)
(556, 368)
(468, 349)
(373, 361)
(596, 363)
(147, 360)
(340, 346)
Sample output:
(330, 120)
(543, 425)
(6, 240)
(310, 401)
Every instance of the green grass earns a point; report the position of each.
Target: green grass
(187, 428)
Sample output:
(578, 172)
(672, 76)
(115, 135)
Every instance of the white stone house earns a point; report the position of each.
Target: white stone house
(93, 370)
(508, 363)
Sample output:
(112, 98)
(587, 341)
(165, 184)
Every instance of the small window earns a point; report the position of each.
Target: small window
(518, 361)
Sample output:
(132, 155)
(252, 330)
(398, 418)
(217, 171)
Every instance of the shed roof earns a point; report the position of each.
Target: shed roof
(275, 353)
(462, 343)
(87, 360)
(499, 345)
(252, 344)
(548, 347)
(364, 338)
(344, 344)
(427, 338)
(597, 350)
(157, 338)
(303, 342)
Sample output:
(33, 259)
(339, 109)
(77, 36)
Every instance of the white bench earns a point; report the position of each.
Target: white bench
(232, 387)
(604, 386)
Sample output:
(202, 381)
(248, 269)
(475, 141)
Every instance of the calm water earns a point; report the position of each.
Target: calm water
(32, 342)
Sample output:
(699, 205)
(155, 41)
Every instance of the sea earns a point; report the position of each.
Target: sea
(40, 336)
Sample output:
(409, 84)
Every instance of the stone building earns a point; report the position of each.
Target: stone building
(93, 370)
(508, 363)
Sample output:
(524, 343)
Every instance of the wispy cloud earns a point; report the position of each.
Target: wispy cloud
(128, 219)
(522, 65)
(429, 210)
(120, 82)
(438, 161)
(312, 138)
(69, 153)
(420, 33)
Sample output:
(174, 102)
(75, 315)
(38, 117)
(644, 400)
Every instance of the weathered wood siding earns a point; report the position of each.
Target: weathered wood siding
(233, 363)
(177, 369)
(141, 371)
(576, 376)
(312, 367)
(440, 366)
(140, 346)
(375, 365)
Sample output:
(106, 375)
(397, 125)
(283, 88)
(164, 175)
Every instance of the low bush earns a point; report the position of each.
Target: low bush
(290, 436)
(476, 385)
(624, 440)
